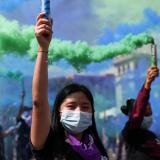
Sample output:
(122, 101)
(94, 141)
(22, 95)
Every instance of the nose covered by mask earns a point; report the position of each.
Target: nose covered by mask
(147, 122)
(76, 121)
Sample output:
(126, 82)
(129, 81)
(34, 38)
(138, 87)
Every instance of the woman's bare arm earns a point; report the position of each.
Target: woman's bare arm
(41, 111)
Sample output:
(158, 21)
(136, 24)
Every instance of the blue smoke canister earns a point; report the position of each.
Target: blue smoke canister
(45, 7)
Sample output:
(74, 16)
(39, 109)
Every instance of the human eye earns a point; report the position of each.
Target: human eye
(71, 107)
(85, 107)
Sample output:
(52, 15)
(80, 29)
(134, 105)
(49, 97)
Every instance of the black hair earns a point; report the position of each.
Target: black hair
(58, 130)
(126, 109)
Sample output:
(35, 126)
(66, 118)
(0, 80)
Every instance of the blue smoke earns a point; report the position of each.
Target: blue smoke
(151, 19)
(10, 5)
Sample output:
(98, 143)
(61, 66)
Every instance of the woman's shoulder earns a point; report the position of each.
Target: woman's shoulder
(40, 153)
(55, 148)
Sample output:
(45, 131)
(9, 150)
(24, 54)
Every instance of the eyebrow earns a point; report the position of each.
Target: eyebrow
(83, 103)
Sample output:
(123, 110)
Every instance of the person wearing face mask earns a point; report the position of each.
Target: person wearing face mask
(140, 142)
(71, 132)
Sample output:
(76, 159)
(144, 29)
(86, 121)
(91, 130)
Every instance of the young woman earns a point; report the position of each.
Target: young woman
(71, 133)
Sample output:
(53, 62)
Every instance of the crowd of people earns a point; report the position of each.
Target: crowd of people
(70, 132)
(20, 132)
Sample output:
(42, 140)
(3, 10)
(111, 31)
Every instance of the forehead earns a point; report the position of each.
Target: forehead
(77, 97)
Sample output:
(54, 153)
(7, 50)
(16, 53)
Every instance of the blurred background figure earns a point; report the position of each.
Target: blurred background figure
(23, 151)
(3, 134)
(140, 142)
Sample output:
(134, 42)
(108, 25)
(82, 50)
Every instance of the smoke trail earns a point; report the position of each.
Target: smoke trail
(80, 54)
(14, 38)
(17, 75)
(19, 40)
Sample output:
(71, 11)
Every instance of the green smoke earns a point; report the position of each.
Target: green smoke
(18, 40)
(17, 75)
(14, 38)
(80, 54)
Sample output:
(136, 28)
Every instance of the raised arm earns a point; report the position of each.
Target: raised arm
(41, 111)
(142, 99)
(21, 107)
(8, 131)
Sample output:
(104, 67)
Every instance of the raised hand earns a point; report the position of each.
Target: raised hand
(152, 73)
(43, 31)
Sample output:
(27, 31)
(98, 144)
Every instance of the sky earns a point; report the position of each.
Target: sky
(96, 22)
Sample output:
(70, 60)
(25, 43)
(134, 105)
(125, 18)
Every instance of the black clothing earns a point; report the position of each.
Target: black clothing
(136, 141)
(52, 150)
(2, 154)
(23, 148)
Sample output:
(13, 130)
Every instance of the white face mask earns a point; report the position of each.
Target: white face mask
(76, 121)
(147, 122)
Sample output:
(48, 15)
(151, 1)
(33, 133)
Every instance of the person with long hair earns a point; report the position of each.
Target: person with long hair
(71, 132)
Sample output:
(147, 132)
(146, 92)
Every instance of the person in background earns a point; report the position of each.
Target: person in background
(3, 134)
(140, 142)
(23, 131)
(71, 133)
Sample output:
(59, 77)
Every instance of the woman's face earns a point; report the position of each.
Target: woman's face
(77, 101)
